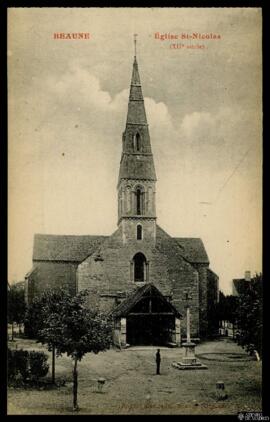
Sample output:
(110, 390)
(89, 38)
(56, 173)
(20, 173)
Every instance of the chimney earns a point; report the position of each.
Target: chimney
(247, 275)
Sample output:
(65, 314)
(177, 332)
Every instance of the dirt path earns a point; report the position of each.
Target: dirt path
(133, 388)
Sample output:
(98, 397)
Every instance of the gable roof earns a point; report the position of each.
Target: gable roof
(124, 307)
(192, 249)
(72, 248)
(49, 247)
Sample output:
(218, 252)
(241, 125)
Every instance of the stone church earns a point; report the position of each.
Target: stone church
(139, 274)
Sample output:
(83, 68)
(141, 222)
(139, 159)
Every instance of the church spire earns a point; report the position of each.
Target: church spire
(137, 159)
(136, 111)
(137, 176)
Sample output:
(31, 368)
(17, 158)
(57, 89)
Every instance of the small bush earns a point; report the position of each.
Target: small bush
(21, 362)
(11, 367)
(24, 365)
(38, 365)
(17, 364)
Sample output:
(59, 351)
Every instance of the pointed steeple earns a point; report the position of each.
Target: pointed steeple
(136, 111)
(137, 159)
(137, 176)
(135, 79)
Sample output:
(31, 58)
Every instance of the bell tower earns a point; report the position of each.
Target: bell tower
(137, 176)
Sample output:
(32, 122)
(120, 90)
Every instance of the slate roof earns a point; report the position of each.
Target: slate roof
(48, 247)
(192, 249)
(71, 248)
(124, 307)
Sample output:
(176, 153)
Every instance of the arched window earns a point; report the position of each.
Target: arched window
(139, 262)
(139, 201)
(137, 142)
(139, 232)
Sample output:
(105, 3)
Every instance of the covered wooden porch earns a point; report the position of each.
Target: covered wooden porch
(146, 317)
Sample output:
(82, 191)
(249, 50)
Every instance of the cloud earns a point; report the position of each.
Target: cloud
(193, 123)
(158, 114)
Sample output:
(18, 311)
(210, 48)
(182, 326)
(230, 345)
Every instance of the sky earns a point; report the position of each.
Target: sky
(68, 107)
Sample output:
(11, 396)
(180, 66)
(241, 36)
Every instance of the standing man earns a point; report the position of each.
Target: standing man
(158, 359)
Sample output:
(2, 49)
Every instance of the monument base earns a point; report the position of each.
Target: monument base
(189, 360)
(195, 364)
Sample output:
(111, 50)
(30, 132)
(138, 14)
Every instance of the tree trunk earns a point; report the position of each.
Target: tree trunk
(53, 365)
(12, 331)
(75, 385)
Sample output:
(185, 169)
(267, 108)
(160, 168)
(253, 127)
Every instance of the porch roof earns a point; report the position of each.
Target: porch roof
(124, 308)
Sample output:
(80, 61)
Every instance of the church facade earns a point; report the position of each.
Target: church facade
(140, 274)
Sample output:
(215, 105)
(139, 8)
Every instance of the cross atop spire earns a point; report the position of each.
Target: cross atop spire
(135, 44)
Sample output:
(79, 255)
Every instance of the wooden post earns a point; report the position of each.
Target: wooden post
(75, 385)
(53, 364)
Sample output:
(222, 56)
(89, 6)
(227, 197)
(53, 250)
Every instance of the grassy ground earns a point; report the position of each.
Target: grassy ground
(133, 388)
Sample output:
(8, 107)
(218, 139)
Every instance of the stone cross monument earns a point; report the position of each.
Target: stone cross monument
(189, 360)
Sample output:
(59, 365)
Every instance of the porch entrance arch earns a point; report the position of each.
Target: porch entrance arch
(148, 318)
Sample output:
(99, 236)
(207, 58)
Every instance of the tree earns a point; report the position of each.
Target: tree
(226, 308)
(34, 318)
(16, 307)
(249, 316)
(75, 330)
(48, 303)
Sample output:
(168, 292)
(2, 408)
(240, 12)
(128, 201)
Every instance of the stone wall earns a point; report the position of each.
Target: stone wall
(49, 275)
(108, 272)
(202, 271)
(128, 230)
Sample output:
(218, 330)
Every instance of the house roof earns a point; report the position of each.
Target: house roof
(48, 247)
(193, 250)
(125, 307)
(240, 285)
